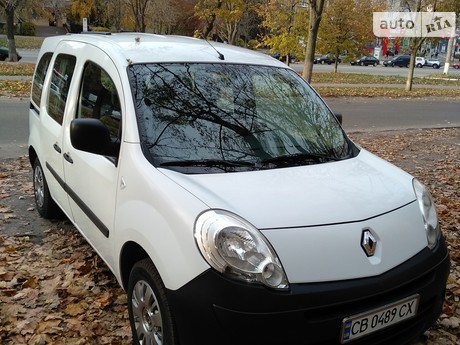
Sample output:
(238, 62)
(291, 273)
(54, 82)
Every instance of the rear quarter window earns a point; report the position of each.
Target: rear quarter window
(39, 78)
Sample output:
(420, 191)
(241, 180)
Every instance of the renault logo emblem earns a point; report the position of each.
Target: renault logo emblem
(368, 242)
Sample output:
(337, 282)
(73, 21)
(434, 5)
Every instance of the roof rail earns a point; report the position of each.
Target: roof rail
(96, 33)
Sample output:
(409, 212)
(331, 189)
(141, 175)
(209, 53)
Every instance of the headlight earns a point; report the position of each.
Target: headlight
(427, 208)
(237, 249)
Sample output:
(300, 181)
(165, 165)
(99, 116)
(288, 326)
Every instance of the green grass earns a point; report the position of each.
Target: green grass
(23, 42)
(355, 78)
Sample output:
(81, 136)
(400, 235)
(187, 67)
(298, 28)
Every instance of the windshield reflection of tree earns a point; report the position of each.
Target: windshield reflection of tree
(301, 115)
(229, 112)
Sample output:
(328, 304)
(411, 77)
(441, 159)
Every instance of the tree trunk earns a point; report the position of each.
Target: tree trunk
(316, 9)
(449, 55)
(13, 54)
(415, 44)
(410, 73)
(336, 62)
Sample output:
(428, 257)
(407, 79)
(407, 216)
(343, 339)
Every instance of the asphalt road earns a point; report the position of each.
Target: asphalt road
(380, 114)
(359, 115)
(28, 55)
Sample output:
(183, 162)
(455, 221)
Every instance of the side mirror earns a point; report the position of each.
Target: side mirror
(339, 117)
(90, 135)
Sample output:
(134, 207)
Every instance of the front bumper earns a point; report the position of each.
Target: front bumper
(214, 310)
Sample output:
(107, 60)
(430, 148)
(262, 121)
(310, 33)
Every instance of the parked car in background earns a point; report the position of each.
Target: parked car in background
(432, 62)
(400, 61)
(456, 65)
(326, 59)
(420, 61)
(282, 58)
(4, 52)
(366, 61)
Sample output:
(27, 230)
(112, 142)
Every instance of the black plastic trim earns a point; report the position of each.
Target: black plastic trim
(212, 309)
(34, 108)
(89, 213)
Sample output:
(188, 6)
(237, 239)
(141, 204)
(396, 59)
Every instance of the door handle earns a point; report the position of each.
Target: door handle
(57, 148)
(68, 158)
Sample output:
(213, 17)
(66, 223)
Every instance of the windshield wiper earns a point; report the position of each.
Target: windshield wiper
(300, 158)
(208, 163)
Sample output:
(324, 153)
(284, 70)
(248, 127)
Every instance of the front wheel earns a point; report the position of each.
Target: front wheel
(46, 206)
(149, 312)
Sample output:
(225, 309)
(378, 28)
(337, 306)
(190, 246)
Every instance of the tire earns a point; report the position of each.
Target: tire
(46, 206)
(149, 313)
(375, 64)
(435, 66)
(419, 65)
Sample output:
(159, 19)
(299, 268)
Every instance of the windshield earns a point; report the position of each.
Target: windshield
(208, 118)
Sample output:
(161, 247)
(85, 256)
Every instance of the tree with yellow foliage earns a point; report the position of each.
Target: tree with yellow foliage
(285, 23)
(224, 17)
(346, 26)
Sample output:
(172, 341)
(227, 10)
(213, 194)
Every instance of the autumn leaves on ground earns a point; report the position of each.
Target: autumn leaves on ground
(55, 290)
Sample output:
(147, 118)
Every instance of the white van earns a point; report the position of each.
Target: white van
(226, 198)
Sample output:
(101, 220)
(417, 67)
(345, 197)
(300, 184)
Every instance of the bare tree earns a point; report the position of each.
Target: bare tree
(139, 10)
(164, 16)
(10, 7)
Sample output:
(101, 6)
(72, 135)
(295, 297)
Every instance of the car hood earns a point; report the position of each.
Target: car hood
(337, 192)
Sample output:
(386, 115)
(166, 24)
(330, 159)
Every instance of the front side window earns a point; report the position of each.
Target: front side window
(202, 118)
(60, 83)
(99, 100)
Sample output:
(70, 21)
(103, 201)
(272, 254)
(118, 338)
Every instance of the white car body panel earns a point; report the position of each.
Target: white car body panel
(317, 214)
(336, 192)
(157, 213)
(333, 252)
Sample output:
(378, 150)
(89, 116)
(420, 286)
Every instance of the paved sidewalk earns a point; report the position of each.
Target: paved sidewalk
(15, 77)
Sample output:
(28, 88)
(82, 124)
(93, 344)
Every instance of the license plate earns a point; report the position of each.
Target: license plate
(359, 325)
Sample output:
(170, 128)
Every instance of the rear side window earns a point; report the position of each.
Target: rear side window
(39, 78)
(59, 88)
